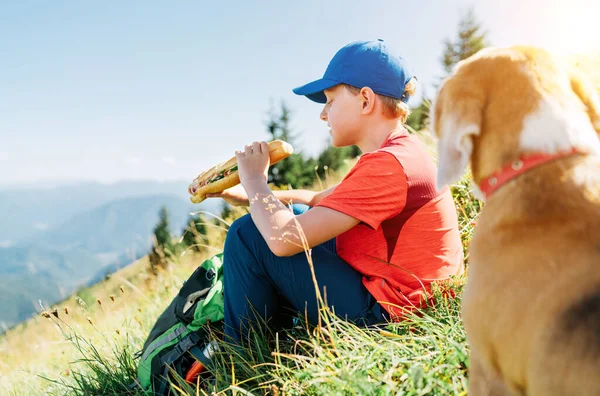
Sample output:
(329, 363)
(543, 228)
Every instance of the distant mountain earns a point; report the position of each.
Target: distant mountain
(120, 225)
(30, 210)
(32, 274)
(71, 265)
(82, 244)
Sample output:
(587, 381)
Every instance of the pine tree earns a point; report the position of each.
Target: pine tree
(296, 171)
(333, 158)
(225, 212)
(163, 245)
(470, 39)
(419, 116)
(161, 231)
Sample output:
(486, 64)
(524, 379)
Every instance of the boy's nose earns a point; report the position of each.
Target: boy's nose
(323, 115)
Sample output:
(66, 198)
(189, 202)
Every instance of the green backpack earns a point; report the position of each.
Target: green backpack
(180, 334)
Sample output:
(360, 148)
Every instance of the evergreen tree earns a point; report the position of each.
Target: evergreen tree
(333, 158)
(225, 212)
(296, 171)
(163, 245)
(470, 39)
(419, 116)
(161, 231)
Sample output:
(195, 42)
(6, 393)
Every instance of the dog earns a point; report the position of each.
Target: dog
(527, 124)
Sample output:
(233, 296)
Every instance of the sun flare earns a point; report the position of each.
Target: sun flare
(577, 26)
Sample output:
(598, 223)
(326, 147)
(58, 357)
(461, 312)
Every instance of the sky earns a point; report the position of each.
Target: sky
(111, 91)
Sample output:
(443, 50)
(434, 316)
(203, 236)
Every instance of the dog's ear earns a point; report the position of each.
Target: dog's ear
(583, 88)
(455, 119)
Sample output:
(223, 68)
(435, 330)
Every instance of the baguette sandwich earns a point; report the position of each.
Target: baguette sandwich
(225, 175)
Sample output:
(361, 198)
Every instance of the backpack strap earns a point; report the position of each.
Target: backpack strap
(162, 388)
(200, 356)
(182, 347)
(162, 341)
(185, 345)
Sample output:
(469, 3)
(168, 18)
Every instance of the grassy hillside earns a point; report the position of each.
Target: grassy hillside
(85, 344)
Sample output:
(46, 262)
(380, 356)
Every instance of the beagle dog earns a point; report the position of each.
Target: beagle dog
(528, 125)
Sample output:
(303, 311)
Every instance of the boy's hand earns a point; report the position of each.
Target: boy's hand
(235, 196)
(253, 164)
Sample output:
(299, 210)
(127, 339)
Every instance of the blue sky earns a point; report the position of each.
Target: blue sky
(117, 90)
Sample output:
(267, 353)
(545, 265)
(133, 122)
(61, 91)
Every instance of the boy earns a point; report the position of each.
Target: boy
(378, 239)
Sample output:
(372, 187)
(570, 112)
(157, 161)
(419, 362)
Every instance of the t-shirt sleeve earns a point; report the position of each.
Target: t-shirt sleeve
(372, 192)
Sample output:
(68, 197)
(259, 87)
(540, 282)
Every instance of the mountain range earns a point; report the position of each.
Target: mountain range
(54, 240)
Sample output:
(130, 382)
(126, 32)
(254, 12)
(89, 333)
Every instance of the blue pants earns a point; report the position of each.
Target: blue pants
(259, 286)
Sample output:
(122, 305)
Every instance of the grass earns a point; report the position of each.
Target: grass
(426, 354)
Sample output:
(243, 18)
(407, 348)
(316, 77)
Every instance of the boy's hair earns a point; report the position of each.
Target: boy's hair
(392, 107)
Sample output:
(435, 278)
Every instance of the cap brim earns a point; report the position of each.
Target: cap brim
(314, 90)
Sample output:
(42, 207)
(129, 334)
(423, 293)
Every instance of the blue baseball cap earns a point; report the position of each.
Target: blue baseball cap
(362, 64)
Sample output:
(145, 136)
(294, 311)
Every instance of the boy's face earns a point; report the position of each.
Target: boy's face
(342, 113)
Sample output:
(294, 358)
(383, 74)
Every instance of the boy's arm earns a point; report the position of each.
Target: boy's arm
(282, 230)
(237, 196)
(307, 197)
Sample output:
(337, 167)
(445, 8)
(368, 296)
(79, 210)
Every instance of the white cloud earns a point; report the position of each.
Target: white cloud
(169, 160)
(3, 156)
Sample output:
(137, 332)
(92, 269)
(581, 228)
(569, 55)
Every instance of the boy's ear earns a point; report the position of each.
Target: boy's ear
(368, 99)
(455, 119)
(583, 88)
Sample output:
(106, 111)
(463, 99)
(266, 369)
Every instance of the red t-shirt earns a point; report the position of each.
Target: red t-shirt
(408, 235)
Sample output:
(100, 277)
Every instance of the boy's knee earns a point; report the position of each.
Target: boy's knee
(242, 224)
(242, 230)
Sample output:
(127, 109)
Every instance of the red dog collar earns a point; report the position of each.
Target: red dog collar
(517, 168)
